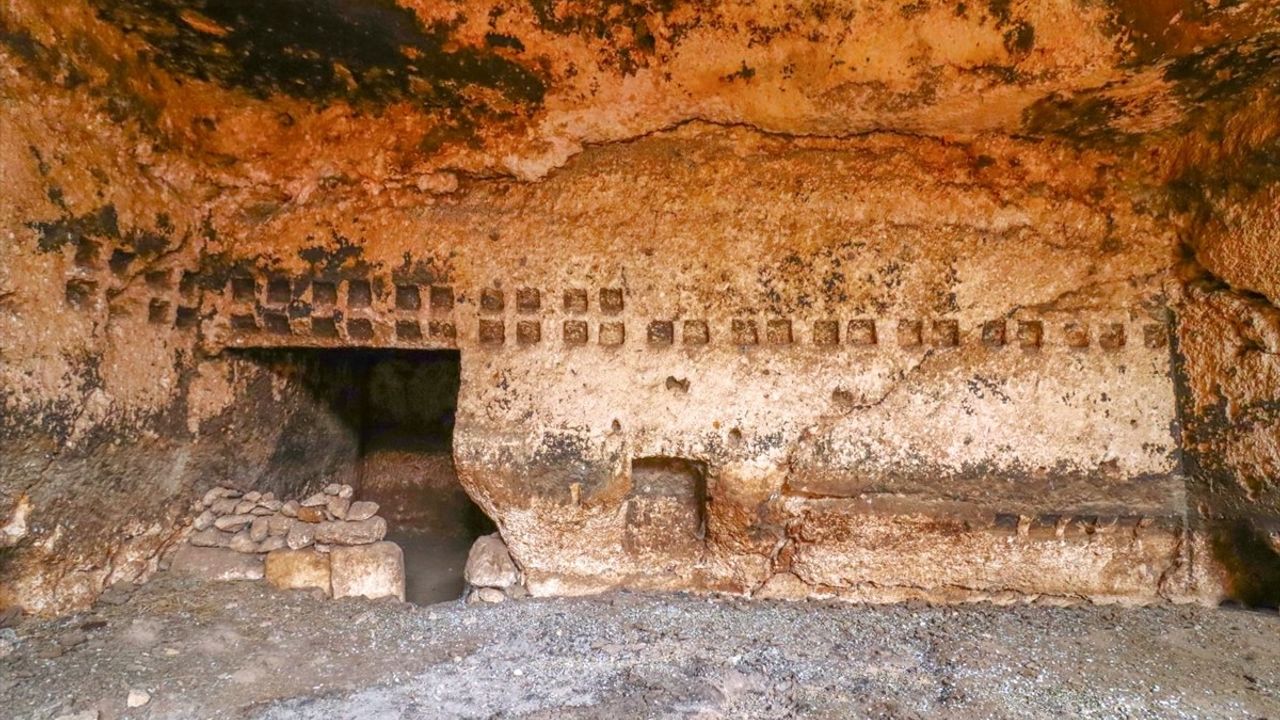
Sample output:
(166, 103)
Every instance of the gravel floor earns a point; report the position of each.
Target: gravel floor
(242, 650)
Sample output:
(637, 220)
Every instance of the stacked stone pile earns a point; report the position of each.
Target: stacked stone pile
(325, 541)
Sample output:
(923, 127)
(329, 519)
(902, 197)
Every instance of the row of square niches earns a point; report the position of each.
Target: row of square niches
(411, 297)
(864, 332)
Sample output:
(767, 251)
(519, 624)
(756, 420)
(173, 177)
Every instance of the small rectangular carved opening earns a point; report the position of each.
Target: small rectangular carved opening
(668, 503)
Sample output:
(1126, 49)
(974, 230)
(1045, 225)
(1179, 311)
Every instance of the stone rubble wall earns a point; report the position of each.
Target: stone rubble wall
(326, 541)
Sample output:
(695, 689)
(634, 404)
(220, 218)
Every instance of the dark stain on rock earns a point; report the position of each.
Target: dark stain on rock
(46, 63)
(103, 226)
(626, 27)
(362, 51)
(565, 458)
(339, 258)
(1000, 10)
(53, 235)
(1228, 71)
(744, 73)
(1084, 118)
(1157, 28)
(499, 40)
(432, 270)
(1019, 39)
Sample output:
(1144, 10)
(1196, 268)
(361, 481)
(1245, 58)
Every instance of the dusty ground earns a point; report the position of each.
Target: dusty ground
(433, 565)
(245, 651)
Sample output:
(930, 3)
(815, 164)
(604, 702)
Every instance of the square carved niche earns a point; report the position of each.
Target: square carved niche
(492, 300)
(276, 323)
(244, 289)
(993, 333)
(324, 293)
(408, 330)
(1030, 334)
(492, 332)
(1076, 335)
(186, 317)
(612, 333)
(695, 332)
(945, 333)
(910, 333)
(1111, 336)
(442, 330)
(325, 327)
(360, 329)
(778, 331)
(528, 300)
(158, 312)
(408, 297)
(611, 300)
(1155, 336)
(441, 297)
(826, 333)
(528, 332)
(661, 332)
(575, 332)
(158, 279)
(862, 331)
(744, 332)
(359, 293)
(279, 291)
(575, 300)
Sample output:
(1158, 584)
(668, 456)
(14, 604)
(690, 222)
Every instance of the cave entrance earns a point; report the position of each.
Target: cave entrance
(389, 416)
(406, 466)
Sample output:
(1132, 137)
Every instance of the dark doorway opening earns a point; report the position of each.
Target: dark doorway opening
(388, 416)
(406, 466)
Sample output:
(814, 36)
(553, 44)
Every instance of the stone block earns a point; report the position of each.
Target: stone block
(351, 533)
(207, 563)
(490, 565)
(300, 535)
(211, 537)
(362, 510)
(372, 571)
(298, 569)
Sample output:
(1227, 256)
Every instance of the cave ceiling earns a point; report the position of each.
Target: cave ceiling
(488, 87)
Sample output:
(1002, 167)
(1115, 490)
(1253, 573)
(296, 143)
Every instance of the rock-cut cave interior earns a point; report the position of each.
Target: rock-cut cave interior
(639, 358)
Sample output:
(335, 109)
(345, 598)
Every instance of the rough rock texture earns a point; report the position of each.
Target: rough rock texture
(372, 571)
(298, 569)
(206, 563)
(238, 651)
(859, 299)
(489, 564)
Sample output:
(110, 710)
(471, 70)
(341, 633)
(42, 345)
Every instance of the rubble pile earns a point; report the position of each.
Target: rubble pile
(326, 541)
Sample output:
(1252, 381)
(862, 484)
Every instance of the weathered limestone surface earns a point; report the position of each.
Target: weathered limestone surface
(209, 563)
(854, 299)
(298, 569)
(489, 563)
(372, 571)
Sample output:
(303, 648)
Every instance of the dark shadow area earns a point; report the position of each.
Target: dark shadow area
(1252, 564)
(395, 409)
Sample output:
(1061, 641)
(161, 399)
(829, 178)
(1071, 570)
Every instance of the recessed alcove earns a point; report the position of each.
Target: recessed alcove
(387, 421)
